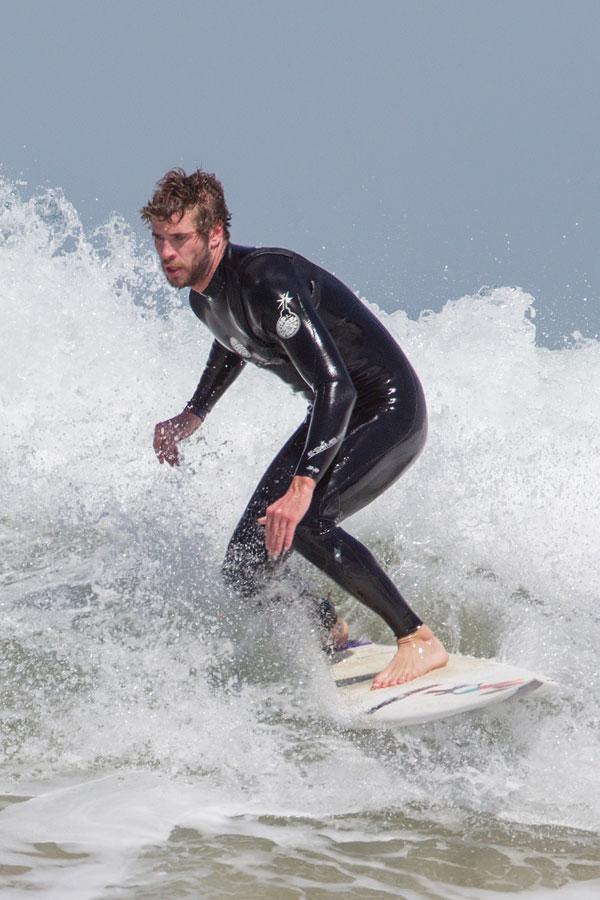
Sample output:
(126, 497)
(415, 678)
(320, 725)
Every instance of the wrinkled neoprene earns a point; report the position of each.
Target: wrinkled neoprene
(366, 421)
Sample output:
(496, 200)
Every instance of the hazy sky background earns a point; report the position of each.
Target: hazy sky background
(421, 149)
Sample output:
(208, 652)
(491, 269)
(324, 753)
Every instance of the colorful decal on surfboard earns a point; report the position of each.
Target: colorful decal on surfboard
(351, 644)
(483, 688)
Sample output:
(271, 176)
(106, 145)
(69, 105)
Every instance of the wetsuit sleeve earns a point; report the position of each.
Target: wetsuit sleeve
(222, 368)
(289, 318)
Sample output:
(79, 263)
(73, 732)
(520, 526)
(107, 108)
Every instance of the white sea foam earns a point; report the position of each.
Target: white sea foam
(115, 655)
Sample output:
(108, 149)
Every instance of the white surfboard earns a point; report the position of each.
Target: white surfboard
(464, 684)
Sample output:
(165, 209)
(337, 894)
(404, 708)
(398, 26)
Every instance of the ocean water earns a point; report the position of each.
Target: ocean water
(159, 741)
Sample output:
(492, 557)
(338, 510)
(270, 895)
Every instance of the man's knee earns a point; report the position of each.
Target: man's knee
(244, 566)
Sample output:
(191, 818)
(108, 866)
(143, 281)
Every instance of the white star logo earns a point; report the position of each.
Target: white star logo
(288, 322)
(284, 301)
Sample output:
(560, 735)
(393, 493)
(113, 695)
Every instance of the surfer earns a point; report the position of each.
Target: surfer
(366, 422)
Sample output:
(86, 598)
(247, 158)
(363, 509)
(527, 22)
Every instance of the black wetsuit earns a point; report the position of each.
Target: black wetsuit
(366, 421)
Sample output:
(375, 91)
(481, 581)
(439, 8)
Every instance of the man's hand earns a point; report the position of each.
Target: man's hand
(168, 434)
(282, 517)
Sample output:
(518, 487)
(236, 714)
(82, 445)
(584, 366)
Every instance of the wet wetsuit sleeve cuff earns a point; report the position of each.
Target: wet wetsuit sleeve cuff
(197, 409)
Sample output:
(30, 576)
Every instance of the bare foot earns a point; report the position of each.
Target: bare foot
(417, 654)
(337, 636)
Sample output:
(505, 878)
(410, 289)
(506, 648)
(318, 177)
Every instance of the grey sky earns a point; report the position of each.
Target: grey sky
(418, 149)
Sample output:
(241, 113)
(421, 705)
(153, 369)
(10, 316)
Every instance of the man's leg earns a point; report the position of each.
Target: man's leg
(247, 566)
(372, 456)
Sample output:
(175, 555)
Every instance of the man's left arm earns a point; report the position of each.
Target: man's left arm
(291, 319)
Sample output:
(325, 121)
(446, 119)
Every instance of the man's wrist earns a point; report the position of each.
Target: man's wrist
(303, 483)
(191, 411)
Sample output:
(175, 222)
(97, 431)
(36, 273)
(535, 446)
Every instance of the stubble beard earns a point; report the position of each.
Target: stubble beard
(198, 272)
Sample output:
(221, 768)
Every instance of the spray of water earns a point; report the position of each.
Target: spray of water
(120, 649)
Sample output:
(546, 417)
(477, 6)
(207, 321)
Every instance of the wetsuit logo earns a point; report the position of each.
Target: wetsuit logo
(288, 322)
(322, 447)
(239, 348)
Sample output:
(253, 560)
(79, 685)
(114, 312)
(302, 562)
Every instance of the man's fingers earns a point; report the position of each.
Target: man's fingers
(168, 454)
(279, 535)
(271, 535)
(279, 532)
(289, 537)
(165, 445)
(281, 519)
(269, 521)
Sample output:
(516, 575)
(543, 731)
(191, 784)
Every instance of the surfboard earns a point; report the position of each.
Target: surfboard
(466, 683)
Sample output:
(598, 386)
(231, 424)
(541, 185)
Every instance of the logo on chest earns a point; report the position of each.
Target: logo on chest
(288, 323)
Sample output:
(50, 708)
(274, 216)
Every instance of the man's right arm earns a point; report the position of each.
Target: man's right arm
(222, 368)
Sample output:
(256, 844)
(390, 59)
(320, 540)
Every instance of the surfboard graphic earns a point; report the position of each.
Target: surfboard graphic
(465, 683)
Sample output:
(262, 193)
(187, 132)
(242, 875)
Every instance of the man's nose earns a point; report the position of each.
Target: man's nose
(165, 250)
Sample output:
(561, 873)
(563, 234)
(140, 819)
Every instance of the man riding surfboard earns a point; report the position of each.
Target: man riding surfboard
(366, 420)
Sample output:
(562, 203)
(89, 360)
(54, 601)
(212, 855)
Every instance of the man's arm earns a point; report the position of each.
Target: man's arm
(222, 368)
(290, 319)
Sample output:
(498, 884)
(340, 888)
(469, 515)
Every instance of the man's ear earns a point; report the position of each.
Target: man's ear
(215, 236)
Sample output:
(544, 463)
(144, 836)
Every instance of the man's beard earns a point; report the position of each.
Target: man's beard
(198, 272)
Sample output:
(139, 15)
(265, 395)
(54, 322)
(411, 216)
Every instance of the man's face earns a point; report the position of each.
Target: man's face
(184, 253)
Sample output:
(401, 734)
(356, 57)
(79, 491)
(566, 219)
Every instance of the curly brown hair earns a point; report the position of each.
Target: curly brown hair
(177, 192)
